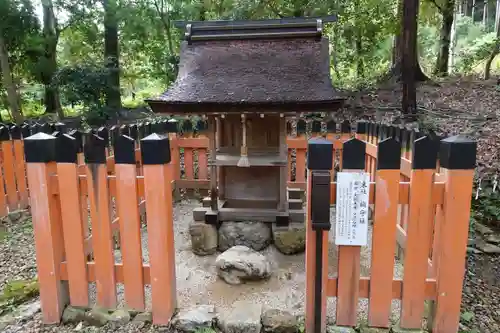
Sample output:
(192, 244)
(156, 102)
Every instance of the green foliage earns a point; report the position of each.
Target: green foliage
(16, 292)
(486, 208)
(85, 84)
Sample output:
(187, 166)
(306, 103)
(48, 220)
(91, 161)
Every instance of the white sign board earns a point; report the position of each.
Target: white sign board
(351, 225)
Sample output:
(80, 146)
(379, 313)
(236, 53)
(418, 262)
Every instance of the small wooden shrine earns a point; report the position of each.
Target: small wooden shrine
(246, 77)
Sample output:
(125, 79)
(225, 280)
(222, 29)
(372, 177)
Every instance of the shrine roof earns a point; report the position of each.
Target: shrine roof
(276, 66)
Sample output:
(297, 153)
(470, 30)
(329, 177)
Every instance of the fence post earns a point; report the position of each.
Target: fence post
(319, 165)
(8, 169)
(130, 224)
(420, 226)
(39, 152)
(71, 215)
(384, 232)
(458, 160)
(100, 213)
(156, 159)
(353, 160)
(22, 187)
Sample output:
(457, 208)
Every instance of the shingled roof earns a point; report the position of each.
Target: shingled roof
(279, 67)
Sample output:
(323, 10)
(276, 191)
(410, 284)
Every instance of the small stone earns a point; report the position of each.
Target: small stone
(203, 238)
(488, 248)
(79, 327)
(120, 317)
(241, 263)
(72, 315)
(194, 319)
(26, 311)
(15, 215)
(278, 321)
(291, 239)
(482, 229)
(143, 317)
(243, 317)
(256, 235)
(494, 239)
(340, 329)
(473, 250)
(97, 317)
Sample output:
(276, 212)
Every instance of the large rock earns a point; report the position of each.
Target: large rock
(278, 321)
(242, 317)
(256, 235)
(120, 317)
(97, 317)
(241, 263)
(72, 315)
(482, 229)
(291, 239)
(203, 238)
(194, 319)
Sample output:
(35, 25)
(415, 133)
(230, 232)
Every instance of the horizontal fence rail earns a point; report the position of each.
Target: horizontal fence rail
(91, 190)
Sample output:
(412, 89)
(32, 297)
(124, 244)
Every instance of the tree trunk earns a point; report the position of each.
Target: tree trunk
(497, 15)
(51, 38)
(485, 13)
(395, 72)
(8, 83)
(473, 10)
(496, 49)
(111, 55)
(453, 37)
(409, 59)
(447, 11)
(469, 8)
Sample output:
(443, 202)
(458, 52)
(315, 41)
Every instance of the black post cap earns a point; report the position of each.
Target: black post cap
(124, 150)
(60, 127)
(353, 154)
(15, 132)
(148, 127)
(331, 126)
(124, 130)
(389, 154)
(114, 131)
(141, 131)
(10, 124)
(155, 149)
(458, 153)
(345, 127)
(187, 126)
(104, 134)
(319, 154)
(25, 130)
(56, 134)
(316, 126)
(201, 125)
(172, 126)
(40, 148)
(425, 152)
(66, 149)
(361, 127)
(133, 133)
(4, 133)
(45, 128)
(301, 127)
(289, 127)
(94, 150)
(79, 139)
(35, 128)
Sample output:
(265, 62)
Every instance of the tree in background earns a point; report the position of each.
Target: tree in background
(409, 61)
(18, 24)
(112, 54)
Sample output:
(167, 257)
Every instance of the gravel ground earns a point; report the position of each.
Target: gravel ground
(197, 282)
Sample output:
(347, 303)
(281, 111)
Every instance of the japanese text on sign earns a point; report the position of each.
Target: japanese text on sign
(351, 225)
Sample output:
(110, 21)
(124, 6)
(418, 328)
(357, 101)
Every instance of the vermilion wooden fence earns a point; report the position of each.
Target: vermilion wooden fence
(84, 196)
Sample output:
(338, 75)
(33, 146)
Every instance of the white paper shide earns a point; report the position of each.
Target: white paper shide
(351, 225)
